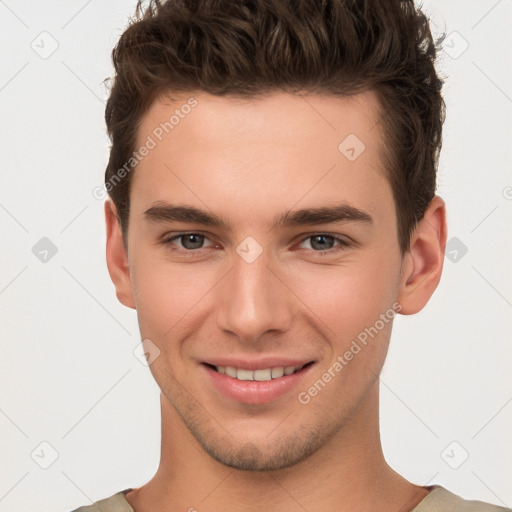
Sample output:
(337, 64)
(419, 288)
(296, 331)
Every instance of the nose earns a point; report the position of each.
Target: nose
(253, 299)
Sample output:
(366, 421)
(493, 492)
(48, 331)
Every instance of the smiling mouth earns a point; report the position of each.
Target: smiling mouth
(260, 375)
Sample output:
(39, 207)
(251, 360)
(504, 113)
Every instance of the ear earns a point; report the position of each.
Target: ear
(422, 265)
(117, 259)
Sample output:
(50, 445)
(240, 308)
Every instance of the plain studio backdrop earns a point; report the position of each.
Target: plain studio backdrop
(79, 411)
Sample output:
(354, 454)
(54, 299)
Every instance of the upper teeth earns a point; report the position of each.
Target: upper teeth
(266, 374)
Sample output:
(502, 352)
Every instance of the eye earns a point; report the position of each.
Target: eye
(190, 242)
(323, 242)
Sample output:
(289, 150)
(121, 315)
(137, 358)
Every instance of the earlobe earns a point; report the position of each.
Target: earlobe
(117, 258)
(423, 264)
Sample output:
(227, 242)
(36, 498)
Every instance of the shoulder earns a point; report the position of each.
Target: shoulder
(442, 500)
(116, 503)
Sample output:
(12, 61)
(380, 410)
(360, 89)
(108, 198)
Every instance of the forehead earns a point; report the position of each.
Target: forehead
(277, 147)
(214, 117)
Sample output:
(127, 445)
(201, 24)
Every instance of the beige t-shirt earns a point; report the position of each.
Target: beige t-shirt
(438, 499)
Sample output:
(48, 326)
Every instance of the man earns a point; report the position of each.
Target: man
(272, 208)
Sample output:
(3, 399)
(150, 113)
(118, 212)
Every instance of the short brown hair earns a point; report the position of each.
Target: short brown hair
(250, 47)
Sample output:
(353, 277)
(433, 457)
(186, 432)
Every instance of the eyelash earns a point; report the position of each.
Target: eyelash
(343, 244)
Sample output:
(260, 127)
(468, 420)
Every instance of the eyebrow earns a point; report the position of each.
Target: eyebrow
(166, 212)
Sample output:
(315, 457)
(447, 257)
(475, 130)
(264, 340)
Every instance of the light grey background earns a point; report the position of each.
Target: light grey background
(69, 377)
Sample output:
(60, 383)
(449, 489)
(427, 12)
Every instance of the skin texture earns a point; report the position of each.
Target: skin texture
(248, 160)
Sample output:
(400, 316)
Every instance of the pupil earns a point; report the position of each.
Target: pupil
(323, 245)
(189, 241)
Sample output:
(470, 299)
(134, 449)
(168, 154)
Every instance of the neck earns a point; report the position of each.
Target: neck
(348, 473)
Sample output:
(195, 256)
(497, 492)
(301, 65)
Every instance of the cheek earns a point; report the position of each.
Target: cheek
(165, 294)
(354, 311)
(346, 298)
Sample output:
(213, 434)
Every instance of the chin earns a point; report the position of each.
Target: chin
(261, 454)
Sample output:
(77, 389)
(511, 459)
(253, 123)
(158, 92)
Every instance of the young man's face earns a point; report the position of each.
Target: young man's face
(214, 299)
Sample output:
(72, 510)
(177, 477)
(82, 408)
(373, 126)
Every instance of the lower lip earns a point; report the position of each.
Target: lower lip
(253, 391)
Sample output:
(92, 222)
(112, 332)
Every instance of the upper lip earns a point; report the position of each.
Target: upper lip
(257, 364)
